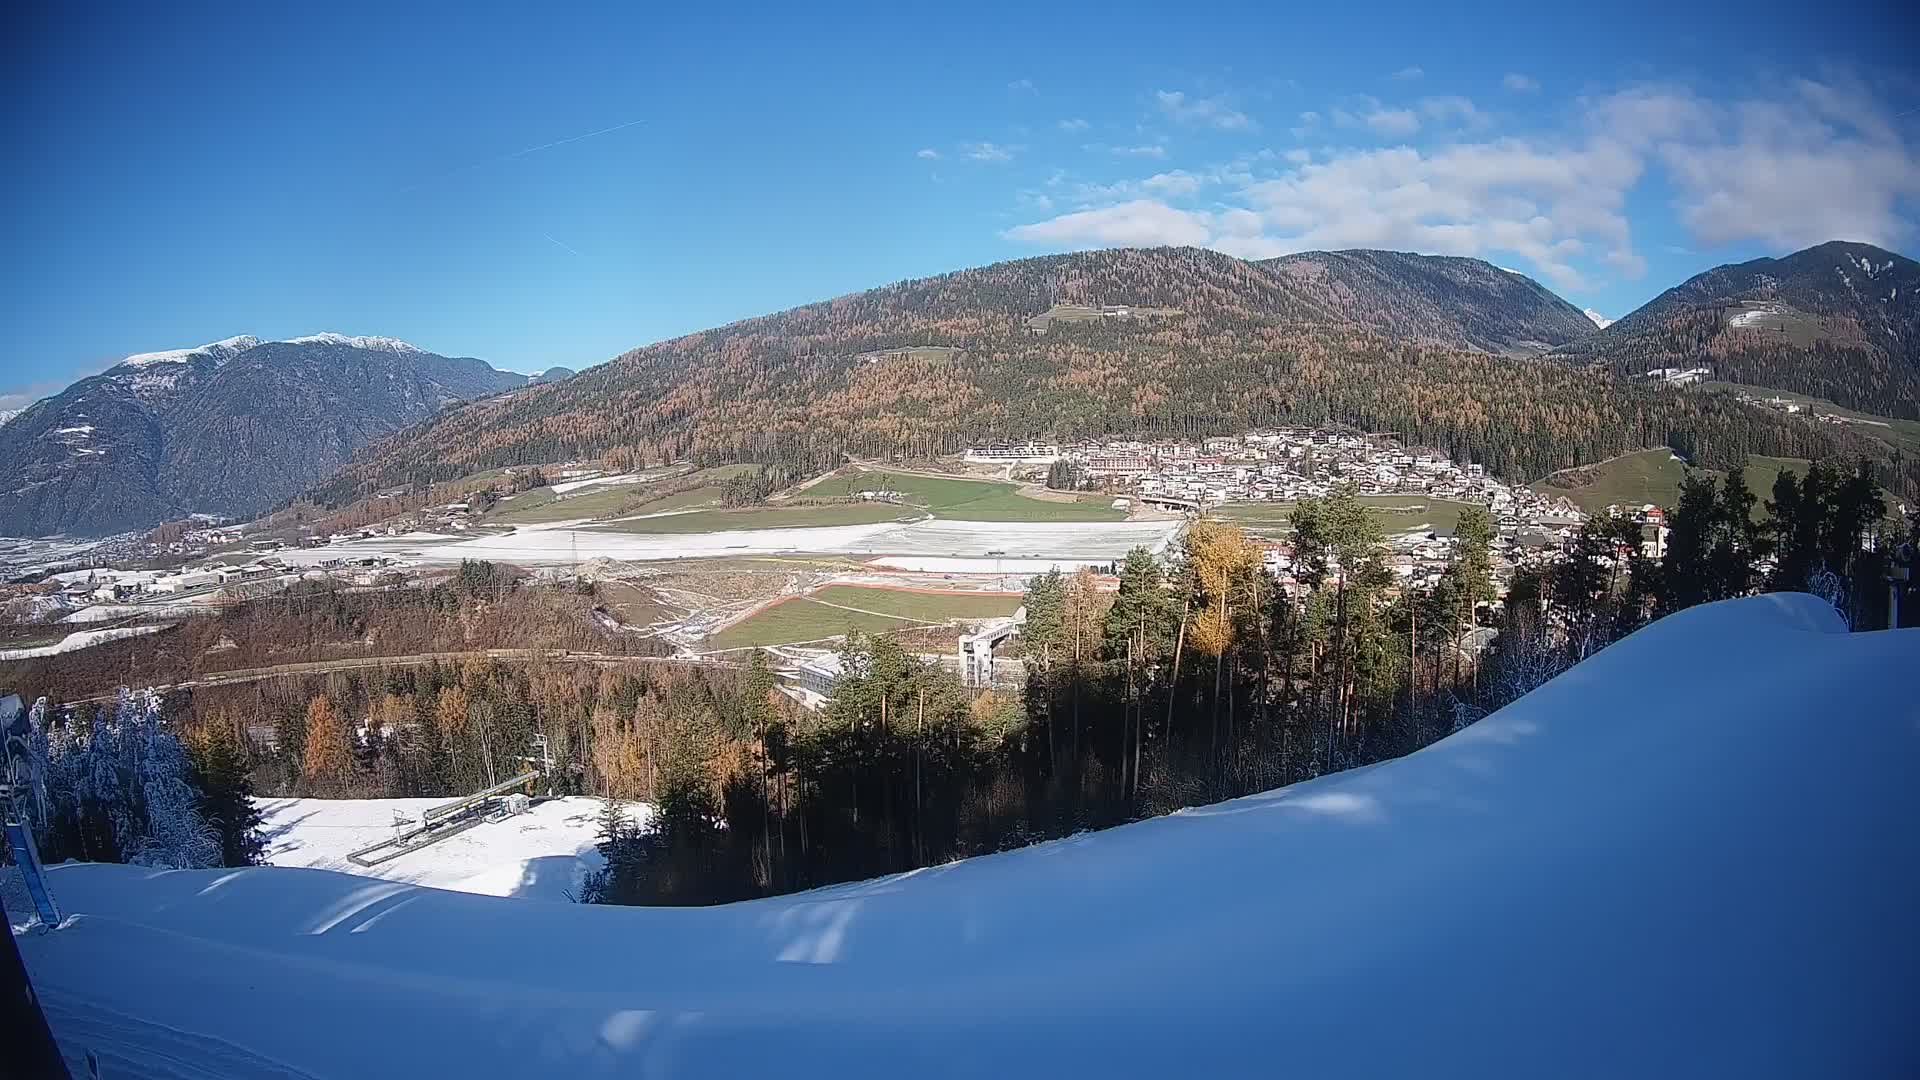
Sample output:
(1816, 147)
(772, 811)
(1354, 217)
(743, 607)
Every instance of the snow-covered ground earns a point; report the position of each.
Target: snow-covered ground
(1691, 855)
(21, 555)
(566, 486)
(79, 639)
(542, 854)
(1041, 543)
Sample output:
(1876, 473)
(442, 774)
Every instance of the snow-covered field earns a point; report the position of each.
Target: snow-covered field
(542, 854)
(1691, 855)
(1041, 543)
(20, 555)
(79, 639)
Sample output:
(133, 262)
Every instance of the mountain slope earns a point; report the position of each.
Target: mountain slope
(229, 428)
(1463, 303)
(1480, 908)
(1246, 345)
(1840, 321)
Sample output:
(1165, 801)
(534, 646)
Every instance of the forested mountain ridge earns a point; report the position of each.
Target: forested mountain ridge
(1840, 320)
(227, 428)
(1249, 347)
(1436, 298)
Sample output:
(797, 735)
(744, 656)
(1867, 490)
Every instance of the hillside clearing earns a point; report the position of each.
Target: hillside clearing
(1653, 476)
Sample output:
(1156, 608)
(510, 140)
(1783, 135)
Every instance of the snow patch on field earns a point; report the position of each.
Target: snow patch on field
(566, 486)
(542, 854)
(1046, 543)
(79, 639)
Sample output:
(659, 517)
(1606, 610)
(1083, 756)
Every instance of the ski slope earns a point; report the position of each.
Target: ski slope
(542, 854)
(1691, 855)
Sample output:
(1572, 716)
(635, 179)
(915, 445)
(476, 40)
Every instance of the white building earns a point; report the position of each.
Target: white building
(1016, 453)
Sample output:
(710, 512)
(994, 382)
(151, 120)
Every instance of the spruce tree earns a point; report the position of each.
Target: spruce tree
(226, 796)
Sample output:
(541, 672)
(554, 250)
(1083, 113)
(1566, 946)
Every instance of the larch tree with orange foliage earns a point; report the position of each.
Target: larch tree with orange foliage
(327, 758)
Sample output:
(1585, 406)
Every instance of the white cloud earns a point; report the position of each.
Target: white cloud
(1074, 124)
(1392, 123)
(986, 151)
(1213, 112)
(1520, 84)
(1452, 108)
(1816, 161)
(1152, 150)
(928, 153)
(1826, 163)
(1408, 74)
(1140, 223)
(1552, 205)
(1022, 86)
(1035, 200)
(1173, 184)
(1599, 320)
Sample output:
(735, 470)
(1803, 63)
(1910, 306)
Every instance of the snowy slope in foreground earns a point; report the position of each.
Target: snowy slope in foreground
(543, 853)
(1690, 856)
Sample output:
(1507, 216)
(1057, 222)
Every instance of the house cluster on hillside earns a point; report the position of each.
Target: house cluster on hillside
(213, 582)
(1066, 314)
(103, 585)
(1291, 464)
(1807, 409)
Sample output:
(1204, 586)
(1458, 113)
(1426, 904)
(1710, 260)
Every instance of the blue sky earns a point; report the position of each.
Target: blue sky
(541, 189)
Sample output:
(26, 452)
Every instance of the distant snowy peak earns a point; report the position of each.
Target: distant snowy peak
(219, 351)
(1599, 320)
(381, 344)
(8, 414)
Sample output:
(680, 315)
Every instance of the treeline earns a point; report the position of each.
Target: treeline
(439, 730)
(1201, 678)
(482, 606)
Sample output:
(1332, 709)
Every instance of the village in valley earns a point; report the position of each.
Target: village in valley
(1252, 479)
(773, 578)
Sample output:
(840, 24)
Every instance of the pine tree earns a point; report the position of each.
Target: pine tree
(226, 796)
(1685, 570)
(1046, 614)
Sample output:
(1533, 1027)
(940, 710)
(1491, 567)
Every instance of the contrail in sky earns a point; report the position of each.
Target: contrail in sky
(576, 138)
(561, 246)
(522, 153)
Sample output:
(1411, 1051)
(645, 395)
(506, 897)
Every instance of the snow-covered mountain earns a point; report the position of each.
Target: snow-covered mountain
(1689, 855)
(230, 427)
(218, 351)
